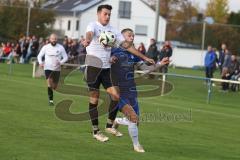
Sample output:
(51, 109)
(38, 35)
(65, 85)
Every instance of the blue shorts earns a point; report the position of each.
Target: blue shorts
(131, 101)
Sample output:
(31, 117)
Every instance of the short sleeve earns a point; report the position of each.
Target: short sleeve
(90, 27)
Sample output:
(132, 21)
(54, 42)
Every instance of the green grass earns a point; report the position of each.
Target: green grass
(29, 129)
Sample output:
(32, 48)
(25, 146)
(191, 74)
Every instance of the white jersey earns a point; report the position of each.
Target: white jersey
(54, 57)
(95, 48)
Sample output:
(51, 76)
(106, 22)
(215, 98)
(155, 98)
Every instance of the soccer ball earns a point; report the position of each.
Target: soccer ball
(107, 39)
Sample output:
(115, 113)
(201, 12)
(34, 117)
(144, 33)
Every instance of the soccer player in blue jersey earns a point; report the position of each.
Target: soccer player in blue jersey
(122, 71)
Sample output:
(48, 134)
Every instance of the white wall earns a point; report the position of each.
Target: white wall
(141, 15)
(188, 57)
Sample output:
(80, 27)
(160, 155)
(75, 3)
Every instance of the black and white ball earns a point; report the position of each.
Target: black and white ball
(107, 39)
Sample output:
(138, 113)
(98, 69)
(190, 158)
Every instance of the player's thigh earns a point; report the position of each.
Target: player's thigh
(93, 79)
(113, 92)
(109, 85)
(128, 111)
(52, 78)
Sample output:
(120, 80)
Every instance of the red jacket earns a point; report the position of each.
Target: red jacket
(7, 50)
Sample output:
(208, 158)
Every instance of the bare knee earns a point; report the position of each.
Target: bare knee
(94, 96)
(130, 114)
(114, 93)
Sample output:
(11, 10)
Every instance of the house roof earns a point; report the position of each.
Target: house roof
(69, 6)
(77, 6)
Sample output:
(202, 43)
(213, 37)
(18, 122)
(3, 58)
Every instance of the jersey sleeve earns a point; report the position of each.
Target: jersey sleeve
(64, 56)
(90, 27)
(40, 55)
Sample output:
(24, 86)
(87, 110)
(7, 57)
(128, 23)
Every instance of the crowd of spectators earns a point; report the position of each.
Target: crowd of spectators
(27, 48)
(228, 64)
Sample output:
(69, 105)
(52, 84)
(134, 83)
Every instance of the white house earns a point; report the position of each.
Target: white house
(73, 16)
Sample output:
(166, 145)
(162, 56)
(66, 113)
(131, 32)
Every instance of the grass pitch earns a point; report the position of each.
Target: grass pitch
(30, 130)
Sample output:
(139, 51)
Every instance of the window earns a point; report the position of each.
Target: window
(69, 25)
(141, 30)
(124, 9)
(77, 25)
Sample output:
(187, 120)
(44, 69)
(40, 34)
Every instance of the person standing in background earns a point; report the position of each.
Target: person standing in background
(222, 53)
(166, 51)
(209, 62)
(226, 70)
(142, 48)
(152, 51)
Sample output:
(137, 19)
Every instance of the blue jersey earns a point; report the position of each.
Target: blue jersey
(123, 70)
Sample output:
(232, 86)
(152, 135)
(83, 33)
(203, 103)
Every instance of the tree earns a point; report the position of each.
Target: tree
(234, 18)
(13, 20)
(180, 26)
(218, 9)
(166, 6)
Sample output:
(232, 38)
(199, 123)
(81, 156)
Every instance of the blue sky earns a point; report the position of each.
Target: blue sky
(234, 5)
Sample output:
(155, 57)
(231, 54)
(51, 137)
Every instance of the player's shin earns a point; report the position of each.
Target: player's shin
(112, 113)
(50, 94)
(133, 132)
(93, 112)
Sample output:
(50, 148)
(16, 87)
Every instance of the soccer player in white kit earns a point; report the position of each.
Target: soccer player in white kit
(101, 74)
(54, 55)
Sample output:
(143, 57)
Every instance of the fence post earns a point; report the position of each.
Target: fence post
(163, 83)
(34, 69)
(209, 83)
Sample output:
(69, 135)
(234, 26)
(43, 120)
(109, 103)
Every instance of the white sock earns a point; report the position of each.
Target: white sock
(133, 132)
(123, 121)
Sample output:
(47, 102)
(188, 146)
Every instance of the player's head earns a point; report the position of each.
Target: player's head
(104, 14)
(53, 39)
(128, 34)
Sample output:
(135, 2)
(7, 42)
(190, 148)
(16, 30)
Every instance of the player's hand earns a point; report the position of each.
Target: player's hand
(85, 43)
(41, 65)
(165, 60)
(149, 60)
(113, 59)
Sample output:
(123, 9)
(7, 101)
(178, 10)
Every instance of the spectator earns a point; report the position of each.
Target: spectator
(72, 52)
(82, 51)
(17, 53)
(141, 48)
(222, 54)
(152, 51)
(25, 45)
(209, 62)
(234, 71)
(1, 51)
(226, 70)
(6, 51)
(166, 51)
(32, 48)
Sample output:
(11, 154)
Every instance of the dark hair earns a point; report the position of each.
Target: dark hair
(126, 30)
(104, 6)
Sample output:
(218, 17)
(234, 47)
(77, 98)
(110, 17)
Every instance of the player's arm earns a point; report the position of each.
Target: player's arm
(130, 48)
(89, 35)
(148, 69)
(88, 39)
(64, 56)
(40, 56)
